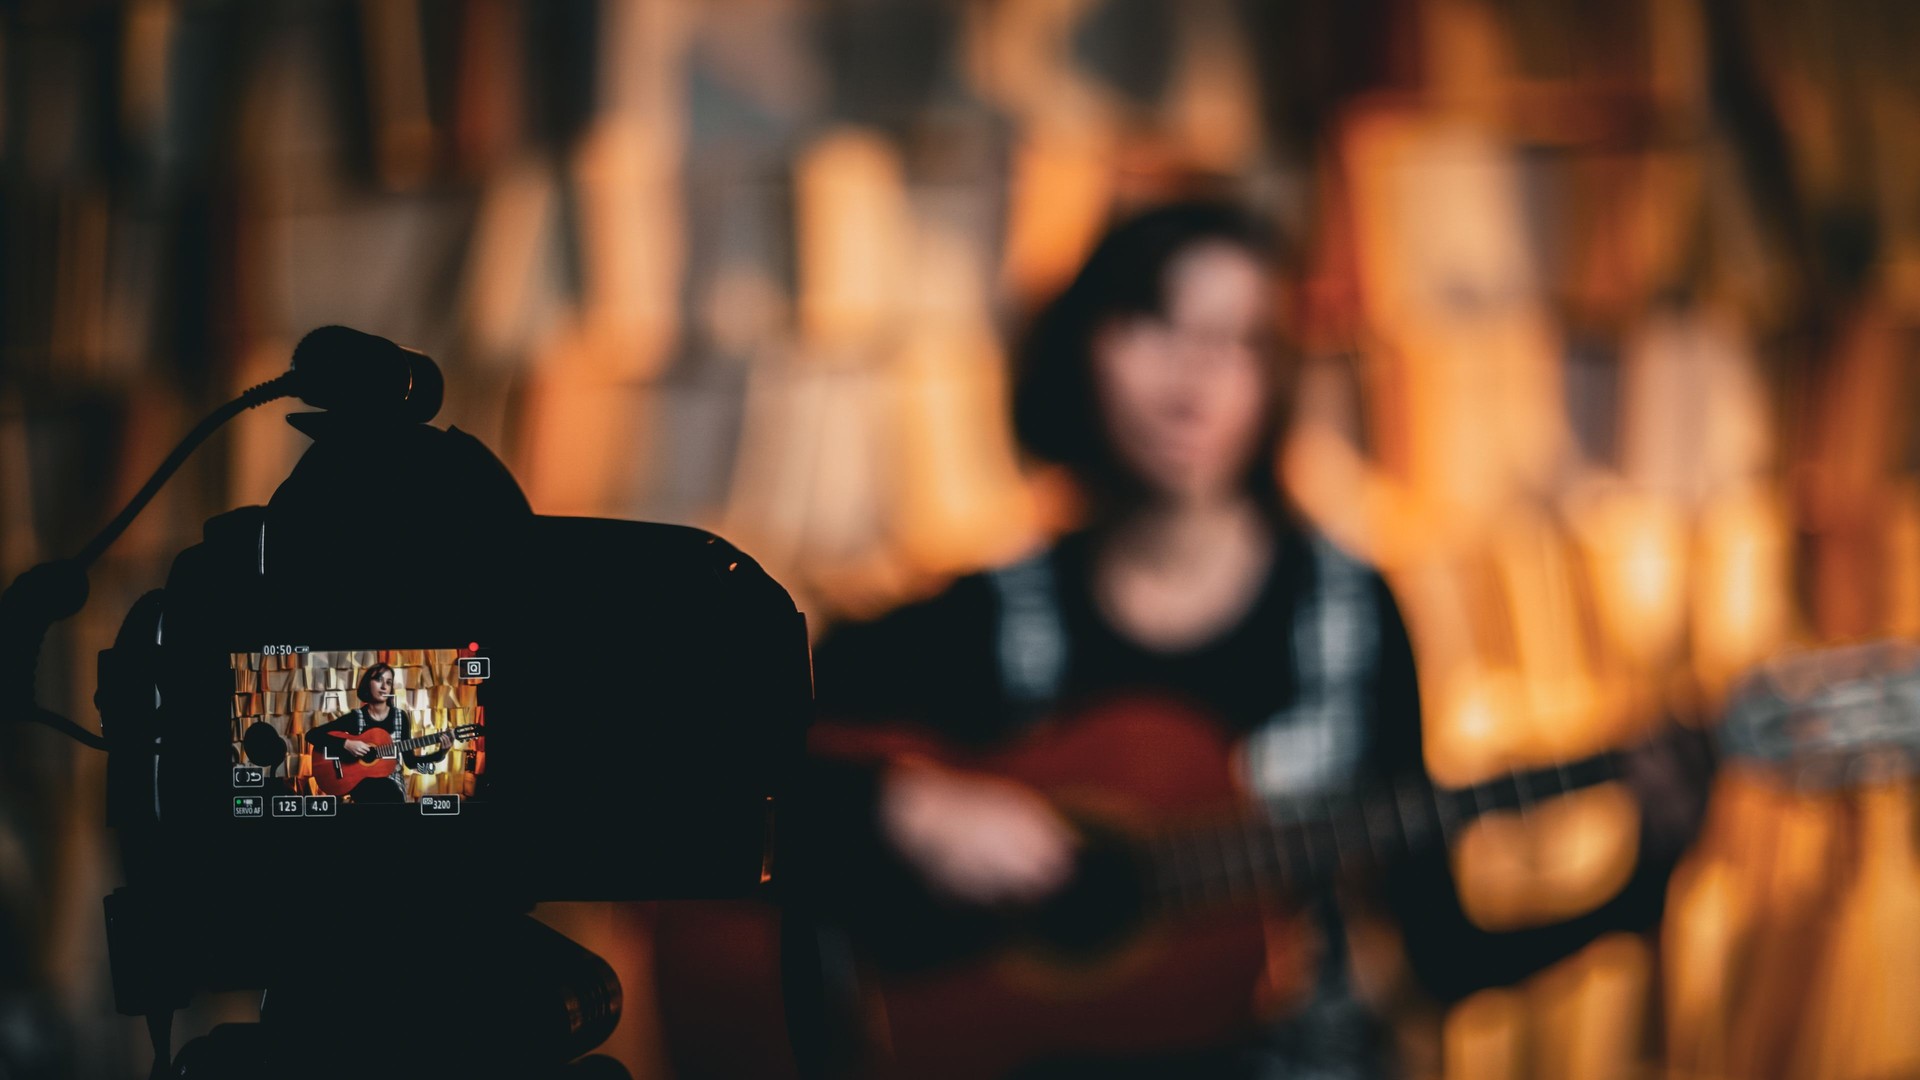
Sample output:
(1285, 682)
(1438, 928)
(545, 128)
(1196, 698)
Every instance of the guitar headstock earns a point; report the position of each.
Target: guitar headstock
(1830, 717)
(469, 731)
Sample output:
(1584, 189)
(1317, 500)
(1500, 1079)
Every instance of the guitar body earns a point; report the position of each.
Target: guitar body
(337, 774)
(1162, 984)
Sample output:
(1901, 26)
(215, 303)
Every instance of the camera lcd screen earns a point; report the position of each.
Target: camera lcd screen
(321, 732)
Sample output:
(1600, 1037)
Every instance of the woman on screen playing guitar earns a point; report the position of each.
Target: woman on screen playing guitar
(378, 710)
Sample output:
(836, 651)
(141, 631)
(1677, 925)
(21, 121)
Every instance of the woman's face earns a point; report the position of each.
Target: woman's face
(381, 687)
(1185, 395)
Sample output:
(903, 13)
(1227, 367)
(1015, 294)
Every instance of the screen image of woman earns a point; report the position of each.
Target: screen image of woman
(346, 738)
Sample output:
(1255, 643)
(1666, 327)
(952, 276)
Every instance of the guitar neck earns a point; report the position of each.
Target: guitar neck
(1297, 845)
(402, 745)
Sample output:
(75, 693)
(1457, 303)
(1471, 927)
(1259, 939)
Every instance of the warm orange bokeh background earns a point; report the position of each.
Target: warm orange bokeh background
(1608, 315)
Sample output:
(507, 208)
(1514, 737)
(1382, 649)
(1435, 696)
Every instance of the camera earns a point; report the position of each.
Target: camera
(309, 749)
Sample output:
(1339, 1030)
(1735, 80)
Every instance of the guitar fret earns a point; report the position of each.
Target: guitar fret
(1334, 816)
(1221, 845)
(1326, 864)
(1201, 877)
(1277, 845)
(1522, 793)
(1283, 850)
(1441, 815)
(1196, 871)
(1249, 850)
(1355, 811)
(1366, 809)
(1402, 833)
(1480, 808)
(1192, 885)
(1202, 873)
(1273, 862)
(1305, 836)
(1343, 813)
(1369, 811)
(1170, 845)
(1218, 851)
(1175, 877)
(1166, 871)
(1165, 875)
(1399, 788)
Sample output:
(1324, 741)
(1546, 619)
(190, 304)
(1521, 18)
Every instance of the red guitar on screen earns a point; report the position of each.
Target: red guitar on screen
(337, 771)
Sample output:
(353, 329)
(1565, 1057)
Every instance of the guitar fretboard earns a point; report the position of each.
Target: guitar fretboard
(1299, 844)
(411, 744)
(399, 746)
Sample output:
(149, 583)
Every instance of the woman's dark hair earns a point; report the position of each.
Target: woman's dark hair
(366, 681)
(1056, 411)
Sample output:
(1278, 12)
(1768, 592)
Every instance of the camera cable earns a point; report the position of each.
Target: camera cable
(58, 589)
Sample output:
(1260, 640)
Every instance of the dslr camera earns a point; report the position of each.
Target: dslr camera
(324, 785)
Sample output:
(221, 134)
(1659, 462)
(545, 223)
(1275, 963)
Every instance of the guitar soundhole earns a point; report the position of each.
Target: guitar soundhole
(1100, 907)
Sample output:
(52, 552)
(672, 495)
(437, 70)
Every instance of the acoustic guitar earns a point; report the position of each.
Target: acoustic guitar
(336, 771)
(1160, 943)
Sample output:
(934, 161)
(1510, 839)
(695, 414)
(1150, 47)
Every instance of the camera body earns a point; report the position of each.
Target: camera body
(634, 696)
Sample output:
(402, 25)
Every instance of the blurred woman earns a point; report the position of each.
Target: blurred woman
(1157, 380)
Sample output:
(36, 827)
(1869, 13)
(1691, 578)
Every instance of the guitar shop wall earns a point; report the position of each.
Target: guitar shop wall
(294, 693)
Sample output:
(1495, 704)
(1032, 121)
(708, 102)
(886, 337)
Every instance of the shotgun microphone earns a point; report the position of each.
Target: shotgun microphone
(352, 373)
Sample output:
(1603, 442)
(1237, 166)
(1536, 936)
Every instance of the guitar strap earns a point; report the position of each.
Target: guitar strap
(1315, 745)
(1031, 642)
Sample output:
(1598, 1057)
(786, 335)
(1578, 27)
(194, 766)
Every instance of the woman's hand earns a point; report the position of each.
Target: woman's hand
(446, 740)
(975, 838)
(357, 747)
